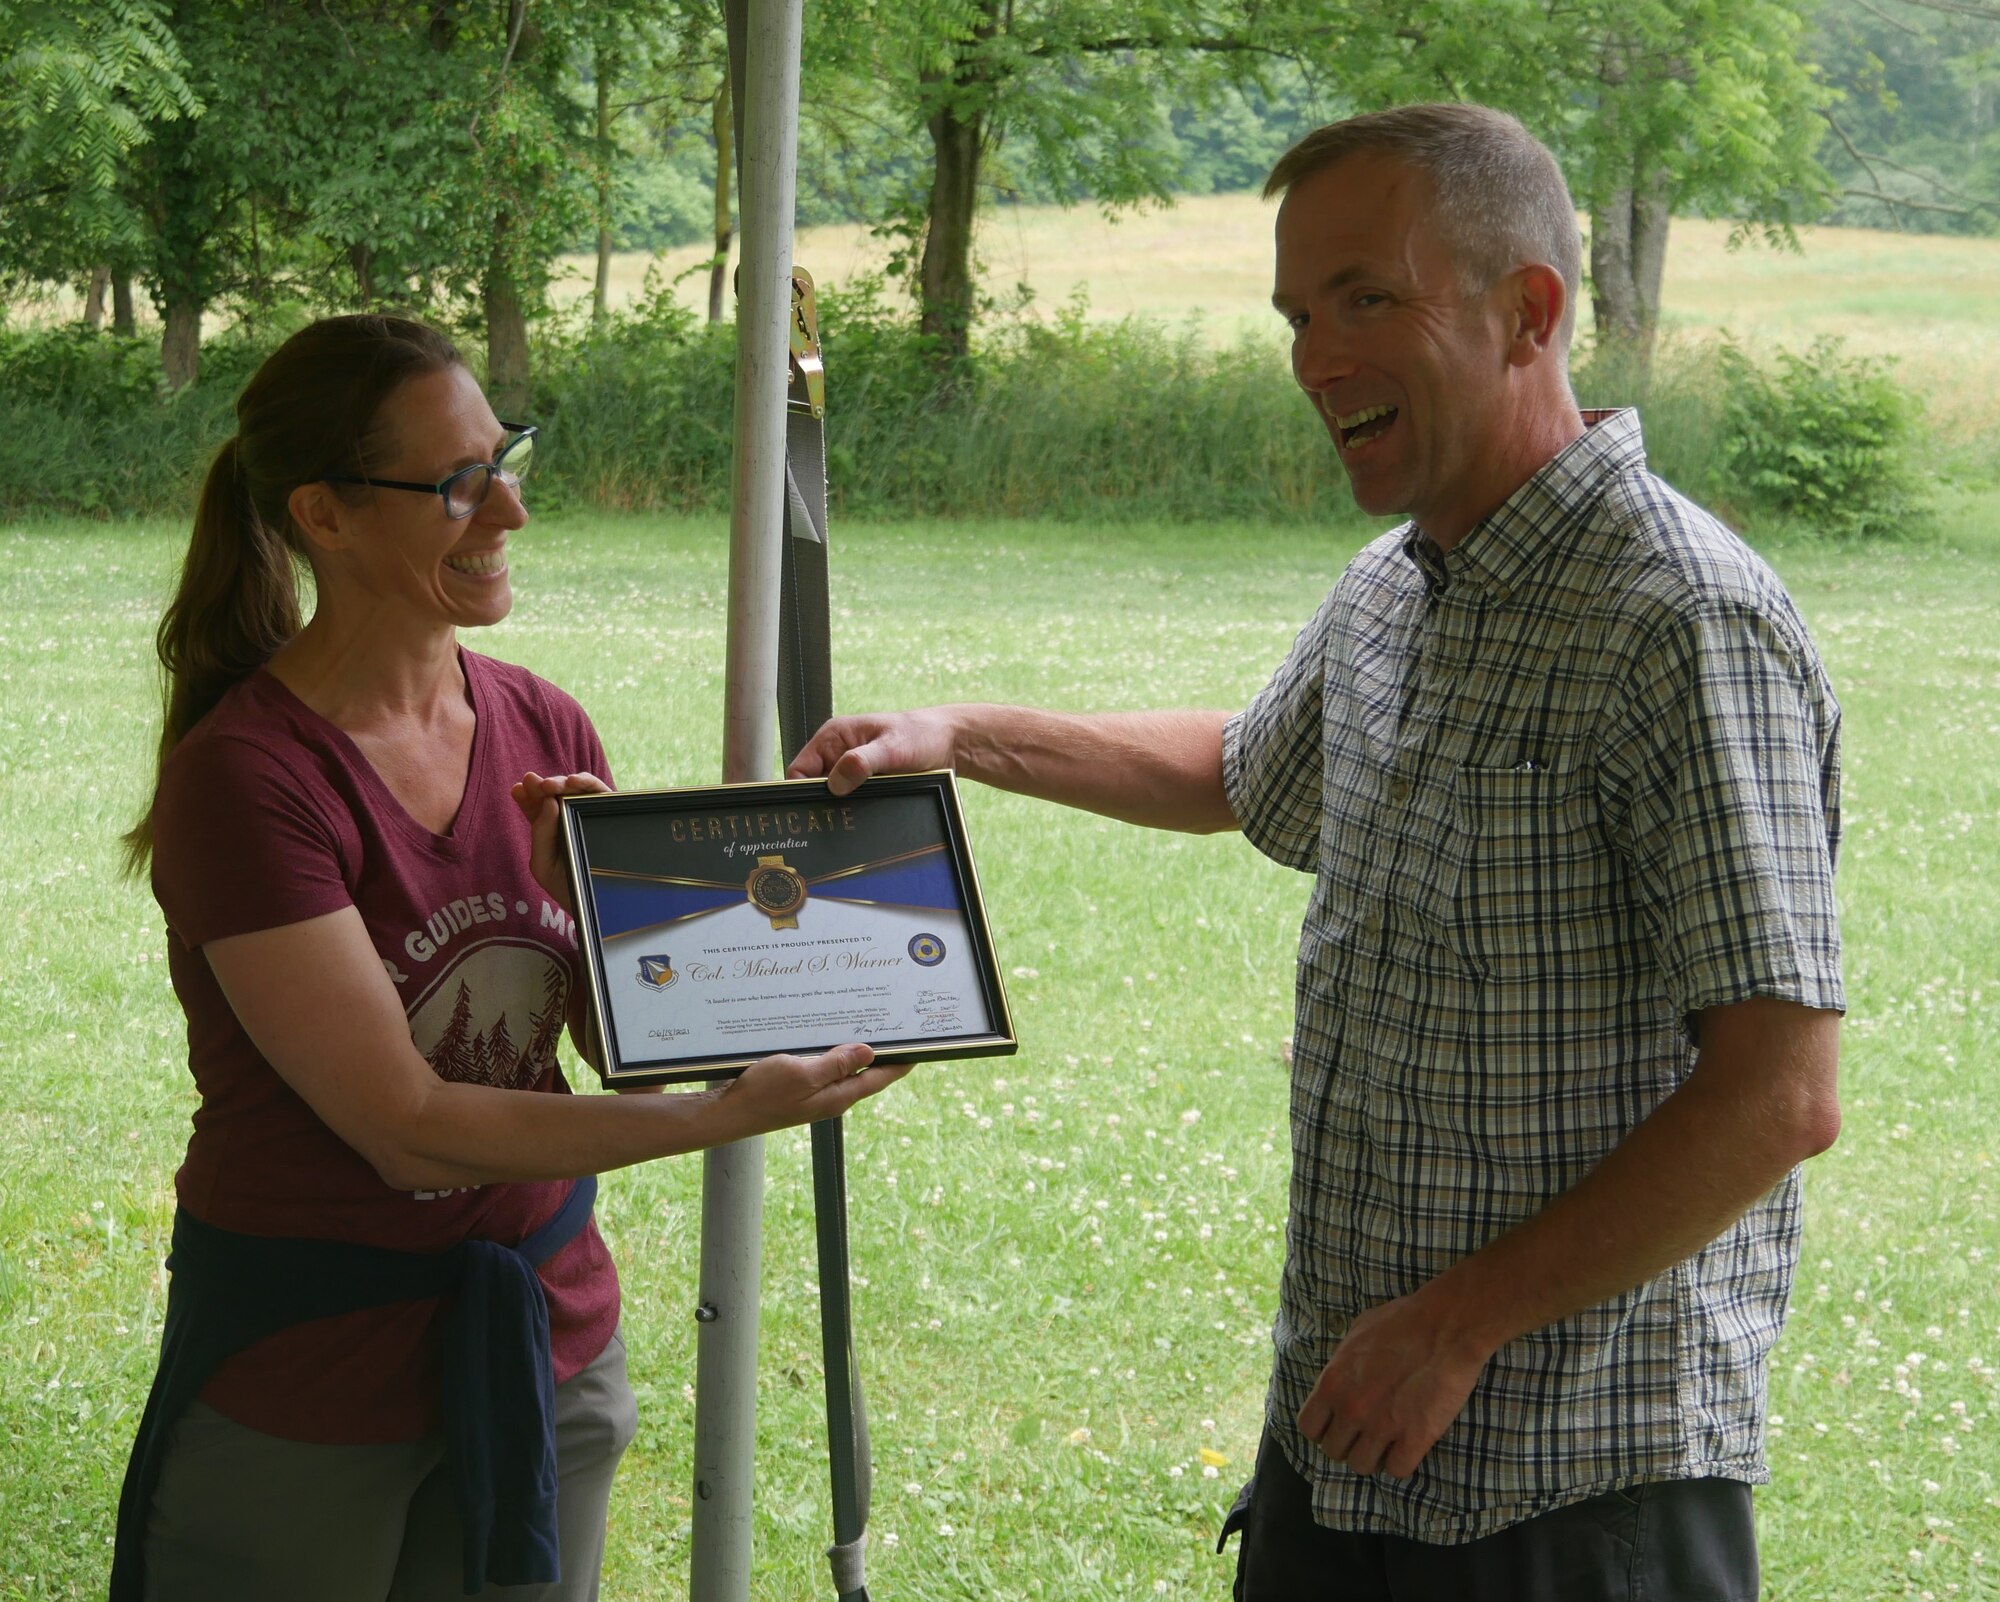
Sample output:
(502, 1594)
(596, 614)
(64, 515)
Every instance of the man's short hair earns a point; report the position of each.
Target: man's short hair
(1501, 199)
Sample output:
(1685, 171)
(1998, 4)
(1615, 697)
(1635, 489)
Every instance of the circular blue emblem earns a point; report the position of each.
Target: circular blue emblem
(926, 950)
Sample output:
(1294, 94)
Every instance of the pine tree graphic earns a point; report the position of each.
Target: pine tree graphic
(456, 1055)
(545, 1027)
(498, 1058)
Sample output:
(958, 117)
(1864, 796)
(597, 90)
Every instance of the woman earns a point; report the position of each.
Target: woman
(383, 1258)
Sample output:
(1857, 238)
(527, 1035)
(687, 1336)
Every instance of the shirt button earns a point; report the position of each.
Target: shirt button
(1371, 927)
(1399, 789)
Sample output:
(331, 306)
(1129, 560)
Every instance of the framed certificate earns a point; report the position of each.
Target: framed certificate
(722, 924)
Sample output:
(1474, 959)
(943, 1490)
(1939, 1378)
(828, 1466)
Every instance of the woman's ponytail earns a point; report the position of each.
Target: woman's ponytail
(237, 602)
(309, 412)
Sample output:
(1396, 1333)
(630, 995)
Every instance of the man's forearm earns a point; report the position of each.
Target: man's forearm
(1760, 1101)
(1159, 769)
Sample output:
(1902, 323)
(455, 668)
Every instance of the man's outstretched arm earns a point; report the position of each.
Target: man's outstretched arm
(1761, 1099)
(1159, 769)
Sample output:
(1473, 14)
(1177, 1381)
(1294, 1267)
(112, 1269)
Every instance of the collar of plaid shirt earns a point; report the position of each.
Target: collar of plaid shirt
(1507, 544)
(1500, 952)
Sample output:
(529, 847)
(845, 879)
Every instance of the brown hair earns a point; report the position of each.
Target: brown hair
(1501, 198)
(313, 408)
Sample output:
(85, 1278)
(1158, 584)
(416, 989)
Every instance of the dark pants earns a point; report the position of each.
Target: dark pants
(1669, 1541)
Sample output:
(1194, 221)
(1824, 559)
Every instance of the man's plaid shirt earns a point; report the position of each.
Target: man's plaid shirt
(1563, 786)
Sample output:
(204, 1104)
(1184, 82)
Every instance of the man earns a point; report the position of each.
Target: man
(1565, 765)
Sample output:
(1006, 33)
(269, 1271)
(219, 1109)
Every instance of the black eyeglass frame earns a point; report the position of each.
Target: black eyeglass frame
(442, 488)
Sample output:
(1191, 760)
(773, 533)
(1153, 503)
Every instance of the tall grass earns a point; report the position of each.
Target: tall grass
(1070, 420)
(1066, 418)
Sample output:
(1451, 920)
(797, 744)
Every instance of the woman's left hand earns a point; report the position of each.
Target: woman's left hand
(536, 797)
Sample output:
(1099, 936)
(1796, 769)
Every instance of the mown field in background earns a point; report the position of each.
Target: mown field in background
(1930, 301)
(1066, 1261)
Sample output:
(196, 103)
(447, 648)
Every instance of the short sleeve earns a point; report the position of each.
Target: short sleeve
(239, 843)
(1274, 754)
(1719, 773)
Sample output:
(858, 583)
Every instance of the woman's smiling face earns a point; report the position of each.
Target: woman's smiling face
(413, 555)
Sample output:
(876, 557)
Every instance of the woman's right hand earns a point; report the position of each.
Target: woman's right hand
(540, 801)
(780, 1092)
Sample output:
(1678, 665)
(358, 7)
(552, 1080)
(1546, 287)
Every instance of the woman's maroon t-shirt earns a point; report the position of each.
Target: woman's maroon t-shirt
(269, 815)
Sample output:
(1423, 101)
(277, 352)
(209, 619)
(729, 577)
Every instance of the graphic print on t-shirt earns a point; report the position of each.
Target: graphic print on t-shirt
(494, 1015)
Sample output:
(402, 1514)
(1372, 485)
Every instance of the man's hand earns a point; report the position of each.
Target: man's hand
(1162, 770)
(1393, 1387)
(847, 750)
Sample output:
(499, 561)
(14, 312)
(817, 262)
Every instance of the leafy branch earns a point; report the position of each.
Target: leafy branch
(1869, 161)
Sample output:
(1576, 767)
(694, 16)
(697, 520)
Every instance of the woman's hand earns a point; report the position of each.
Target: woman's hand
(536, 797)
(778, 1092)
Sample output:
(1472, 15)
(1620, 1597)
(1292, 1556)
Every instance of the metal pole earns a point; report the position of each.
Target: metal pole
(732, 1198)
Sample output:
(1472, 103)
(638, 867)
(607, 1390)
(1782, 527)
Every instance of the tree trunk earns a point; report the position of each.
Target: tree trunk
(725, 172)
(362, 260)
(600, 294)
(180, 348)
(944, 275)
(93, 298)
(184, 208)
(1628, 258)
(123, 320)
(507, 378)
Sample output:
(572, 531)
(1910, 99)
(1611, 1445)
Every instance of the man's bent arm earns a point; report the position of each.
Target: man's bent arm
(1159, 769)
(1761, 1099)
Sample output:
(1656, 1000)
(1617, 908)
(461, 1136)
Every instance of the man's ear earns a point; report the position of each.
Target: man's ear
(1540, 300)
(317, 515)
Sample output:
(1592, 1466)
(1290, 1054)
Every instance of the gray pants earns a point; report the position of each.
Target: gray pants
(241, 1516)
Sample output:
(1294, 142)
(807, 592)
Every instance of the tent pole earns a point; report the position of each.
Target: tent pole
(732, 1202)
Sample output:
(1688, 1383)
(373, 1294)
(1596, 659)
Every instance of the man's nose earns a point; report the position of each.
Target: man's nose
(1320, 356)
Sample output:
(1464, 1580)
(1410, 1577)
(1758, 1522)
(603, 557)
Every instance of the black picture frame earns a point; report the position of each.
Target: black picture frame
(909, 966)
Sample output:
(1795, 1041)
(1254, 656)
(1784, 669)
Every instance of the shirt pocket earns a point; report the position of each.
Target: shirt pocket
(1529, 901)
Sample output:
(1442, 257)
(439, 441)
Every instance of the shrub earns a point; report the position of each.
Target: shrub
(87, 426)
(1821, 437)
(1680, 399)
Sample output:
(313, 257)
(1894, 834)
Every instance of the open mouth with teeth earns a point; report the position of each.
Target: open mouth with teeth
(485, 563)
(1358, 428)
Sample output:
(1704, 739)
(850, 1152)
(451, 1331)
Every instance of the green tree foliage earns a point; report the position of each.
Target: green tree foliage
(1654, 106)
(411, 154)
(82, 85)
(1069, 92)
(1914, 141)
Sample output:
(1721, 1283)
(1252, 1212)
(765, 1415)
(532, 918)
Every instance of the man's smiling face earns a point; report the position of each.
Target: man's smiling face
(1408, 371)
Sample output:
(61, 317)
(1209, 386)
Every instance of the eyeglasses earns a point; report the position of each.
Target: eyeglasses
(465, 491)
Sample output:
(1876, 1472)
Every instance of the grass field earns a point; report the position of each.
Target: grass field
(1930, 301)
(1066, 1261)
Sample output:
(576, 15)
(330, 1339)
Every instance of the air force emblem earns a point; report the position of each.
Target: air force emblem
(927, 950)
(657, 972)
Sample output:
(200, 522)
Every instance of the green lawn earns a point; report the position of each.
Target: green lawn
(1066, 1261)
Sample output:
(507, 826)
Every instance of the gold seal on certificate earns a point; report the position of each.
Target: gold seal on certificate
(722, 924)
(776, 891)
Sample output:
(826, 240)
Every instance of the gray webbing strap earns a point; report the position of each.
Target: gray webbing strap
(805, 648)
(805, 701)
